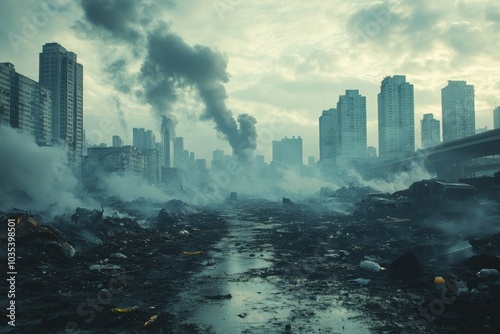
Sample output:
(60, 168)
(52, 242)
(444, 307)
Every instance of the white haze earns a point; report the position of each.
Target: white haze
(34, 178)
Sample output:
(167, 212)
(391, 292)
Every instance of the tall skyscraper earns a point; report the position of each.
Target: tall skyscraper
(179, 161)
(288, 151)
(25, 104)
(352, 124)
(328, 130)
(165, 139)
(396, 129)
(139, 138)
(496, 118)
(60, 72)
(457, 101)
(431, 128)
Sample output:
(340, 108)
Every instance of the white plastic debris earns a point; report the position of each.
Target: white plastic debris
(361, 281)
(104, 267)
(488, 273)
(370, 266)
(118, 256)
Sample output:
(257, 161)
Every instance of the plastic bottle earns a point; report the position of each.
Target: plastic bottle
(487, 273)
(439, 283)
(370, 266)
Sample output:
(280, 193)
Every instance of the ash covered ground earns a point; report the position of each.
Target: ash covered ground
(251, 266)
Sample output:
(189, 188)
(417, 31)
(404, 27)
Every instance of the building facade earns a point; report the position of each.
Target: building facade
(25, 104)
(431, 131)
(351, 109)
(328, 130)
(457, 102)
(396, 129)
(496, 118)
(288, 151)
(117, 141)
(60, 72)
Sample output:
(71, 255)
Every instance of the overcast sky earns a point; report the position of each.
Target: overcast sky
(282, 62)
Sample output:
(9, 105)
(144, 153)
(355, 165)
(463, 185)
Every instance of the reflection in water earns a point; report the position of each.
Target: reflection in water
(256, 305)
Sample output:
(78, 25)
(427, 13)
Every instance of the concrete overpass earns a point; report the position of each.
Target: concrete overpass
(449, 160)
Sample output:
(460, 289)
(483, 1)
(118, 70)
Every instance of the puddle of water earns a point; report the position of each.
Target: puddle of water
(262, 307)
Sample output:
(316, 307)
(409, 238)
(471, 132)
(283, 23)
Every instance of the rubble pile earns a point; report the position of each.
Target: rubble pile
(387, 268)
(144, 267)
(97, 273)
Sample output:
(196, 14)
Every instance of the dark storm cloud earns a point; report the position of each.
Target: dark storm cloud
(372, 23)
(119, 17)
(171, 63)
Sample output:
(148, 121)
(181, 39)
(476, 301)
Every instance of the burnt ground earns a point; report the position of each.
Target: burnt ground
(59, 294)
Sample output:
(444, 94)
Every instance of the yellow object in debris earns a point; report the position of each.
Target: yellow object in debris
(193, 253)
(124, 310)
(151, 320)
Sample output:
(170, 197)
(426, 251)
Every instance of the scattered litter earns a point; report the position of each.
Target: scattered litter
(104, 267)
(440, 283)
(151, 320)
(370, 266)
(488, 273)
(118, 256)
(242, 315)
(193, 253)
(360, 280)
(124, 310)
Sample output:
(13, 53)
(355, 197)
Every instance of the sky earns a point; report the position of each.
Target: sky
(225, 70)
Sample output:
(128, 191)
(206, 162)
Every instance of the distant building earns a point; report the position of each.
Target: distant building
(372, 151)
(60, 72)
(288, 151)
(457, 101)
(481, 130)
(431, 131)
(165, 137)
(351, 109)
(496, 118)
(25, 104)
(311, 161)
(179, 161)
(143, 139)
(115, 159)
(217, 160)
(260, 161)
(328, 130)
(152, 166)
(396, 129)
(117, 141)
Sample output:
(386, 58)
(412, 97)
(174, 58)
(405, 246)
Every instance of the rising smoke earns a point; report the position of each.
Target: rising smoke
(36, 179)
(170, 65)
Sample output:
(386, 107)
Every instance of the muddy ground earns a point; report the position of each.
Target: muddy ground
(159, 267)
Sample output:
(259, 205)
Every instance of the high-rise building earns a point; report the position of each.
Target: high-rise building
(431, 131)
(496, 118)
(351, 109)
(179, 161)
(60, 72)
(117, 141)
(396, 129)
(328, 135)
(139, 138)
(25, 104)
(143, 139)
(288, 151)
(217, 160)
(311, 161)
(165, 139)
(457, 101)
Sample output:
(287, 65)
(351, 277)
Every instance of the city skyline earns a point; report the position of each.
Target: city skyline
(310, 63)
